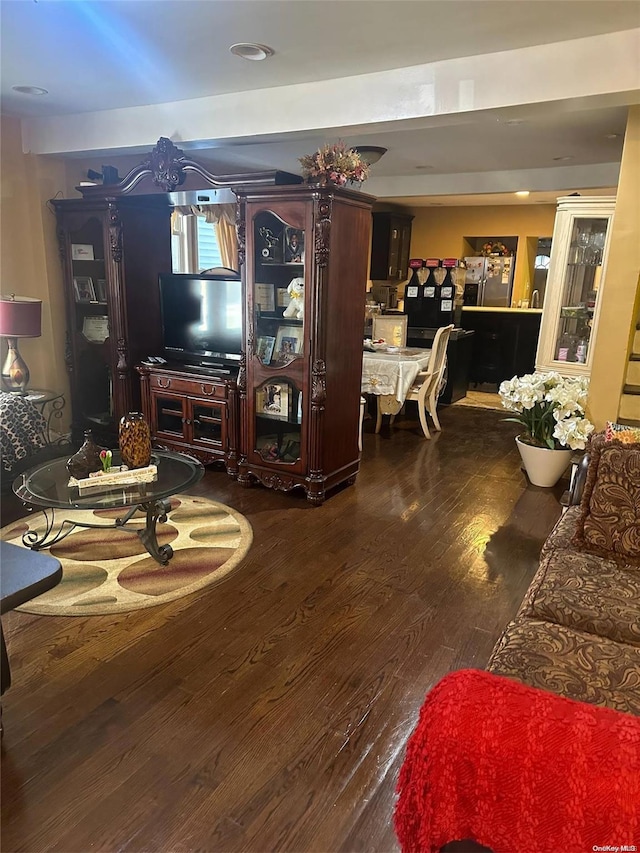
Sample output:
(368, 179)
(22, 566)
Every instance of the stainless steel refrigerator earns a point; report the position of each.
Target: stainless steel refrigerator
(488, 280)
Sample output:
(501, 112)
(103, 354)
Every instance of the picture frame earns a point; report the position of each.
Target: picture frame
(264, 349)
(273, 400)
(83, 288)
(289, 343)
(265, 297)
(293, 251)
(96, 329)
(82, 252)
(101, 290)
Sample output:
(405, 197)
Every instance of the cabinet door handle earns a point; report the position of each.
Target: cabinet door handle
(390, 272)
(164, 384)
(208, 393)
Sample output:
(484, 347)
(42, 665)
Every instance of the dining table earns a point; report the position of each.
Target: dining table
(389, 373)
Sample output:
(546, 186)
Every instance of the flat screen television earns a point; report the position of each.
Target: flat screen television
(201, 318)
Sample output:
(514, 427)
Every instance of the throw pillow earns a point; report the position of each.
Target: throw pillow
(622, 432)
(609, 522)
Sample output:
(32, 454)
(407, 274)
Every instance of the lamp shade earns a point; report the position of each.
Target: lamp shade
(20, 317)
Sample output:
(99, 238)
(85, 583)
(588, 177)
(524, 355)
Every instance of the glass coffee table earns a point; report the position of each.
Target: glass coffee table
(47, 486)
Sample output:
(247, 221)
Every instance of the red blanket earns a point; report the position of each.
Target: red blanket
(515, 768)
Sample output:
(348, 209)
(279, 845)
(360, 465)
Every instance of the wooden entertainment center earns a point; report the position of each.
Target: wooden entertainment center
(290, 417)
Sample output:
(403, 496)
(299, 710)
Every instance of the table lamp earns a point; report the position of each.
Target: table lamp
(20, 317)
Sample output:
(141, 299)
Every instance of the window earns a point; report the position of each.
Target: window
(207, 245)
(194, 245)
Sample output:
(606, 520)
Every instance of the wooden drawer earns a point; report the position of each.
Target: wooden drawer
(193, 387)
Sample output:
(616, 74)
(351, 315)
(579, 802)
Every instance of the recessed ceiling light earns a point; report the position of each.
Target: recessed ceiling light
(514, 121)
(522, 193)
(247, 50)
(30, 90)
(566, 157)
(612, 135)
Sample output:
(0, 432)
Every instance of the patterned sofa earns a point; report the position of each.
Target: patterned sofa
(534, 754)
(577, 631)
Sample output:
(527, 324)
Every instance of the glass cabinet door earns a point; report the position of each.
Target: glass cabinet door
(579, 293)
(279, 339)
(278, 290)
(278, 407)
(90, 322)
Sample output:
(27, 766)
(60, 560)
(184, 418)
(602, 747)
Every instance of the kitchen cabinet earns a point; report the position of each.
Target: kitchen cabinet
(112, 251)
(299, 382)
(390, 245)
(576, 276)
(192, 412)
(504, 343)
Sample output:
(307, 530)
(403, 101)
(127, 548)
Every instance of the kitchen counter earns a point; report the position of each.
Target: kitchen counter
(495, 309)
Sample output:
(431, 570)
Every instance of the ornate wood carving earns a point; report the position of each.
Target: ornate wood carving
(62, 245)
(166, 167)
(323, 230)
(242, 373)
(115, 233)
(318, 383)
(241, 232)
(68, 352)
(122, 368)
(278, 481)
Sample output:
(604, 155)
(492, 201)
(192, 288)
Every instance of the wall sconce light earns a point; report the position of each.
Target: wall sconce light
(370, 153)
(20, 317)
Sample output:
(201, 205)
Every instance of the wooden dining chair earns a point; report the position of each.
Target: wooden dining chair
(426, 385)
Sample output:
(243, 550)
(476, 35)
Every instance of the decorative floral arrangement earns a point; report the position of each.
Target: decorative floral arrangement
(106, 457)
(334, 164)
(495, 248)
(550, 407)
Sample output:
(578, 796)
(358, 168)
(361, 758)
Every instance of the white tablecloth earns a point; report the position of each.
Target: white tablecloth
(392, 373)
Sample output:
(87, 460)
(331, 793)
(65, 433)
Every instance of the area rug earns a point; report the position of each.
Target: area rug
(481, 400)
(110, 571)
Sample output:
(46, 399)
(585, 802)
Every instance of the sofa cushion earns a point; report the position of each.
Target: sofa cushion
(609, 522)
(588, 593)
(563, 534)
(572, 663)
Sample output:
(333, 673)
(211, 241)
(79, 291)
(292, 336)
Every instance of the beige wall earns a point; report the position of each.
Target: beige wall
(29, 261)
(618, 310)
(439, 232)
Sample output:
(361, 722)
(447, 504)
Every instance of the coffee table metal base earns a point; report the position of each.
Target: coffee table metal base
(155, 511)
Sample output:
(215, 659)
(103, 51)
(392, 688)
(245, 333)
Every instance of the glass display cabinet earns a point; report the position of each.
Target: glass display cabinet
(112, 252)
(574, 284)
(305, 273)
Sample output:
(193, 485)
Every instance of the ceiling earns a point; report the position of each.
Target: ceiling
(100, 56)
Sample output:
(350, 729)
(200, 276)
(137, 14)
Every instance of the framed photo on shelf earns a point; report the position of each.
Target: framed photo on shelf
(96, 329)
(289, 342)
(293, 246)
(265, 297)
(273, 400)
(264, 350)
(82, 252)
(83, 288)
(101, 290)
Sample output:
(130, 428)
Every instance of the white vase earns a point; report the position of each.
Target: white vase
(544, 467)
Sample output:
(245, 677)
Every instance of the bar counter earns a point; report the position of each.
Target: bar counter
(504, 344)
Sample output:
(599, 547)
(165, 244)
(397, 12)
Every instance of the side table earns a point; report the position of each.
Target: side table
(51, 404)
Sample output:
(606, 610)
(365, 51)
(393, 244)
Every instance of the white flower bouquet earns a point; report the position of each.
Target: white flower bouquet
(550, 407)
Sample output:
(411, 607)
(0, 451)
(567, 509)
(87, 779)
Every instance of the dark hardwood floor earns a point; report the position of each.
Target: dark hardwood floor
(271, 712)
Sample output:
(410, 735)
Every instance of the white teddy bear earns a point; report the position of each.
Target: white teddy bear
(295, 308)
